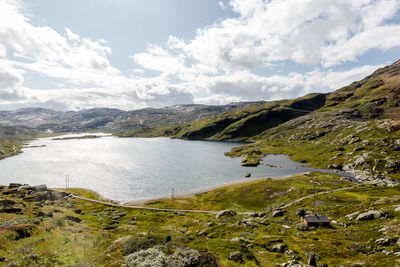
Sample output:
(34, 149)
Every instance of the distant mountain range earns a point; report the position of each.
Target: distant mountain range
(355, 128)
(111, 120)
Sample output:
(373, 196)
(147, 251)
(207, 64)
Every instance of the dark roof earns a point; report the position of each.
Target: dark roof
(316, 219)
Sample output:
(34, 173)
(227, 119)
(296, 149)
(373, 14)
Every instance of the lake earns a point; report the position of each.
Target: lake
(126, 169)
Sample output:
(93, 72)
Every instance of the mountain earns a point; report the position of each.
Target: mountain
(127, 123)
(249, 121)
(357, 130)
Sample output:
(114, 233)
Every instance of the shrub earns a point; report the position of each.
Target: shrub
(138, 243)
(301, 227)
(152, 257)
(184, 257)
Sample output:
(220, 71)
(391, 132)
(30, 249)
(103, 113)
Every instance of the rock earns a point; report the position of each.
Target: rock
(278, 213)
(312, 261)
(300, 212)
(27, 188)
(397, 254)
(247, 175)
(14, 185)
(236, 256)
(12, 210)
(370, 215)
(225, 213)
(78, 211)
(55, 195)
(383, 242)
(279, 248)
(262, 214)
(351, 215)
(39, 196)
(6, 202)
(72, 218)
(290, 253)
(41, 188)
(180, 213)
(335, 167)
(248, 223)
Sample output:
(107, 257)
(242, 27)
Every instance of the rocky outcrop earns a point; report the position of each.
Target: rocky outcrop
(370, 215)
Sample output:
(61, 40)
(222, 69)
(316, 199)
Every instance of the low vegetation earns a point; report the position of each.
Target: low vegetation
(51, 228)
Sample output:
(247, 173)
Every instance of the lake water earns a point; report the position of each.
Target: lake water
(126, 169)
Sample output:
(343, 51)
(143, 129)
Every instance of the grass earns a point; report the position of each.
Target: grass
(59, 242)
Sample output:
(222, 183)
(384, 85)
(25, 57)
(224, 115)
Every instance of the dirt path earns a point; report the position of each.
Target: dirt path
(151, 208)
(200, 211)
(317, 194)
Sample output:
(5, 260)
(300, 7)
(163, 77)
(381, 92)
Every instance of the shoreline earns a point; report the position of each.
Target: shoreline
(207, 189)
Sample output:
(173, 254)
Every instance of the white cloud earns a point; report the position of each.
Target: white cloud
(221, 5)
(245, 85)
(216, 66)
(308, 32)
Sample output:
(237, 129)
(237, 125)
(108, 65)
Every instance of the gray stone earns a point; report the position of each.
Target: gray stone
(383, 242)
(226, 213)
(351, 215)
(278, 213)
(236, 256)
(370, 215)
(300, 212)
(312, 261)
(72, 218)
(279, 248)
(14, 185)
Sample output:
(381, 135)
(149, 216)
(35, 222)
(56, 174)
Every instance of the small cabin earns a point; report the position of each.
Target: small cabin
(316, 220)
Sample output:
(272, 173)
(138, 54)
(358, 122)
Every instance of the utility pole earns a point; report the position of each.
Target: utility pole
(172, 194)
(66, 182)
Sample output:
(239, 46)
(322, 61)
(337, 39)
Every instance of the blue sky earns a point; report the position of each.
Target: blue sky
(70, 55)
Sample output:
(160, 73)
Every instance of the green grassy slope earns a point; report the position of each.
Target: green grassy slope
(358, 130)
(244, 123)
(12, 138)
(62, 231)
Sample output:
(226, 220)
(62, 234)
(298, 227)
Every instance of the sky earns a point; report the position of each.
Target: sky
(130, 54)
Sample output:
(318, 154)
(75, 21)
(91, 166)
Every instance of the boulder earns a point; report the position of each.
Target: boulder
(55, 195)
(351, 215)
(312, 261)
(72, 218)
(370, 215)
(39, 196)
(279, 248)
(300, 212)
(383, 242)
(236, 256)
(225, 213)
(335, 167)
(14, 185)
(11, 210)
(262, 214)
(6, 202)
(278, 213)
(41, 187)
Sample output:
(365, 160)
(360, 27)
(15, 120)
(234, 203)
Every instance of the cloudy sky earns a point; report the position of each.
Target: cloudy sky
(129, 54)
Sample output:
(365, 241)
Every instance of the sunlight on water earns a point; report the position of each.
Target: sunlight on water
(126, 169)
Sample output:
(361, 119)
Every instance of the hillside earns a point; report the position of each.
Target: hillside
(261, 226)
(125, 123)
(244, 123)
(12, 138)
(357, 130)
